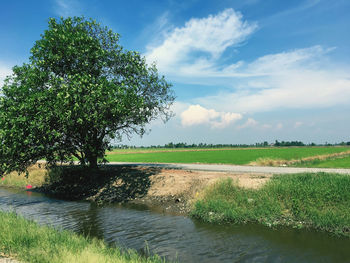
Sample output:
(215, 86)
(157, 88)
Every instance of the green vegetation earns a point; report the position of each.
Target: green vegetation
(37, 177)
(223, 156)
(184, 145)
(107, 184)
(28, 242)
(80, 90)
(319, 201)
(272, 156)
(331, 163)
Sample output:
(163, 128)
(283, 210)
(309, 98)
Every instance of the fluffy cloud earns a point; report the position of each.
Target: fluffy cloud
(304, 78)
(211, 36)
(297, 79)
(253, 124)
(249, 123)
(284, 62)
(196, 115)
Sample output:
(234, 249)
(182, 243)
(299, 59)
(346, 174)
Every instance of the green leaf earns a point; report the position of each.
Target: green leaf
(79, 89)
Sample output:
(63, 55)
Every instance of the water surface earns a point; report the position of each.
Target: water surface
(178, 237)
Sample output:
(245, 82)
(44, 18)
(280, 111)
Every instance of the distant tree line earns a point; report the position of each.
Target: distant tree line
(210, 145)
(286, 144)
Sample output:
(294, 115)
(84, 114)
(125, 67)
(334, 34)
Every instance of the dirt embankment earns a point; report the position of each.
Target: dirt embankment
(175, 190)
(172, 190)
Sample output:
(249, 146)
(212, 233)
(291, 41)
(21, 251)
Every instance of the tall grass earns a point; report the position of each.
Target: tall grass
(320, 201)
(37, 176)
(28, 242)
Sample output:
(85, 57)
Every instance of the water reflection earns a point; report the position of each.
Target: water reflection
(178, 237)
(88, 222)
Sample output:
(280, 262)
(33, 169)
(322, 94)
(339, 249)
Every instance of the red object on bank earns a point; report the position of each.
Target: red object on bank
(29, 186)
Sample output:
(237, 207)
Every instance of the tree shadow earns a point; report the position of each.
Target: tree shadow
(105, 184)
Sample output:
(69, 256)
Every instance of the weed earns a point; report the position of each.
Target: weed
(319, 201)
(27, 241)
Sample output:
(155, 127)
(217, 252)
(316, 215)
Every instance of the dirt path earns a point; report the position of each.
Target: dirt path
(234, 168)
(171, 182)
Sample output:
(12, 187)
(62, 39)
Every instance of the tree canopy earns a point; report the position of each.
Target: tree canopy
(79, 90)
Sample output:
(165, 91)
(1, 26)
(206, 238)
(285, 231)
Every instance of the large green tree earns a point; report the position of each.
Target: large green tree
(79, 90)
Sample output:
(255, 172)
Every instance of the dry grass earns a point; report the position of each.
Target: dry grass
(282, 162)
(37, 176)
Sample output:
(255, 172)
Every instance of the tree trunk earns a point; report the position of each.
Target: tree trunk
(92, 161)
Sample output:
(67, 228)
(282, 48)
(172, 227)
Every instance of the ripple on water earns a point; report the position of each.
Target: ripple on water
(178, 237)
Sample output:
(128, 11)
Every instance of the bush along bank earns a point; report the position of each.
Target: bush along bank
(104, 185)
(320, 201)
(26, 241)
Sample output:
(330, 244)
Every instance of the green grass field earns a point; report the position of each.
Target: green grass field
(221, 156)
(319, 201)
(331, 163)
(28, 242)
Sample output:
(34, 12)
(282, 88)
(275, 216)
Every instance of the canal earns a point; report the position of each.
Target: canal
(177, 237)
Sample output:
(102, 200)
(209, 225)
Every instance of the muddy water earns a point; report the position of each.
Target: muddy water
(177, 237)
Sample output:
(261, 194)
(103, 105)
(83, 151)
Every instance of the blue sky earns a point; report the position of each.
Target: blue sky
(243, 71)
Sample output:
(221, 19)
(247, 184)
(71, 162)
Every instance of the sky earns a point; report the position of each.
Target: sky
(242, 71)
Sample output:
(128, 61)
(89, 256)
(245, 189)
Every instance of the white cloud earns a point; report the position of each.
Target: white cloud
(67, 8)
(303, 78)
(158, 30)
(297, 79)
(196, 115)
(4, 72)
(209, 36)
(284, 62)
(252, 123)
(249, 123)
(300, 78)
(298, 124)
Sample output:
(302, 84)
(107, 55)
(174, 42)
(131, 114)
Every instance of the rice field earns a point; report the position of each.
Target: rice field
(237, 156)
(330, 163)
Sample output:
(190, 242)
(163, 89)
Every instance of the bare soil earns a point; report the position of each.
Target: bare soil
(174, 190)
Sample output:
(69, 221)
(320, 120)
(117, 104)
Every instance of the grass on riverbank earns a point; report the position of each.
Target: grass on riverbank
(319, 201)
(37, 177)
(28, 242)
